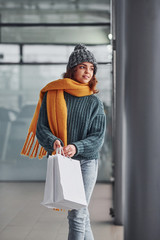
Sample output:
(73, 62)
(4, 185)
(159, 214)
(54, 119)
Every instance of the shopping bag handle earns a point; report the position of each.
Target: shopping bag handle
(60, 151)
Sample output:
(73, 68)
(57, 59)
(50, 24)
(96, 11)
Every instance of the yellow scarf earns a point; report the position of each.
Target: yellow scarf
(56, 113)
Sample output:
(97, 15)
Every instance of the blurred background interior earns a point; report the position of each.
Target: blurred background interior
(36, 39)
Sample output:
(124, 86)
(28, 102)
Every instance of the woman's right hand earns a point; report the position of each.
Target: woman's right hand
(57, 144)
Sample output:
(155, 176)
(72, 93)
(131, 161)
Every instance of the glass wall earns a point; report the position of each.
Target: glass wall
(19, 91)
(36, 39)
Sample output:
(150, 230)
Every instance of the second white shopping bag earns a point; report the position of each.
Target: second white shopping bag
(64, 186)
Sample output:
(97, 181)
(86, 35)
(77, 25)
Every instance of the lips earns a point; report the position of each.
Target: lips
(85, 76)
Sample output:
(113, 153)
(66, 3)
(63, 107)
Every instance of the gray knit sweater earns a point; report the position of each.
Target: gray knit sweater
(85, 126)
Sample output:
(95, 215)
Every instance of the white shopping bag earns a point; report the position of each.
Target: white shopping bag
(64, 186)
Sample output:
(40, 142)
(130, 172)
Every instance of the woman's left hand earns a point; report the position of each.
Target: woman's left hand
(69, 150)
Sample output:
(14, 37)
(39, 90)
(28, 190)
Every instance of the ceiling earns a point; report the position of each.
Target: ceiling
(81, 14)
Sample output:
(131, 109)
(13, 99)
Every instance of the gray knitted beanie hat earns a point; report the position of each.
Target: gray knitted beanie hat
(79, 55)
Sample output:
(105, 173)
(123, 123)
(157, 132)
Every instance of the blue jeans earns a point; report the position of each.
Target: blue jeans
(79, 221)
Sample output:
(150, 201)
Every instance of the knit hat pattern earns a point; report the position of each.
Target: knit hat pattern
(79, 55)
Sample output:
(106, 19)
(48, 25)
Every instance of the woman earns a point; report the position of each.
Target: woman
(69, 115)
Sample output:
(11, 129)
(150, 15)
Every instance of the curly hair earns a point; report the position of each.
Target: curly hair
(92, 83)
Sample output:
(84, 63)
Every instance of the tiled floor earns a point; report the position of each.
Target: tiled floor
(23, 218)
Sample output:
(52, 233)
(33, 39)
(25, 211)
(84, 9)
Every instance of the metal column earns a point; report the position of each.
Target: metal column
(142, 113)
(118, 123)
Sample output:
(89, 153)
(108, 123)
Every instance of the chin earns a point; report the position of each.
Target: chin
(86, 80)
(83, 80)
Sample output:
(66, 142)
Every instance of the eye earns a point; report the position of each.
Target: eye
(81, 66)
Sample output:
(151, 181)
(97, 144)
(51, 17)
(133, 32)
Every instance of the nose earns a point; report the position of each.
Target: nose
(87, 70)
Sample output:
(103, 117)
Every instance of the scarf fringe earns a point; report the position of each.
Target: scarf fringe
(42, 153)
(35, 150)
(28, 145)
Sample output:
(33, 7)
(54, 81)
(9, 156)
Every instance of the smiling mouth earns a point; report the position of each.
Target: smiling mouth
(86, 77)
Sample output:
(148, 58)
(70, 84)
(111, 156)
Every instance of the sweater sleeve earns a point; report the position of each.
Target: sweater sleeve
(43, 133)
(95, 137)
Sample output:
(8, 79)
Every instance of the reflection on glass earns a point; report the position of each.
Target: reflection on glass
(87, 35)
(52, 53)
(9, 53)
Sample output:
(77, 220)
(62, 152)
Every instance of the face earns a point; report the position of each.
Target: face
(83, 72)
